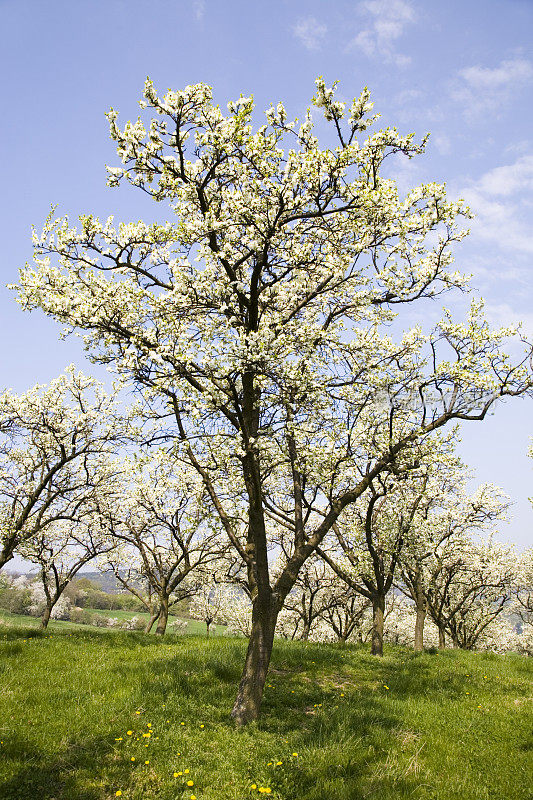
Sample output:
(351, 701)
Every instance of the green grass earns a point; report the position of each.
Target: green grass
(194, 626)
(450, 726)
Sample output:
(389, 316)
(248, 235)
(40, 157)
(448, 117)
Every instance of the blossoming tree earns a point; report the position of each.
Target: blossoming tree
(162, 532)
(54, 455)
(252, 318)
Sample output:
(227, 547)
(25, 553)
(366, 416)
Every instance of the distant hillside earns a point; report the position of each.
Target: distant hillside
(105, 580)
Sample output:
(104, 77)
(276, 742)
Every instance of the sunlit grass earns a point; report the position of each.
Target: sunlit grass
(337, 723)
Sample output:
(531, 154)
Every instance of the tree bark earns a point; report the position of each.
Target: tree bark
(442, 639)
(378, 614)
(247, 706)
(163, 617)
(150, 623)
(45, 619)
(421, 610)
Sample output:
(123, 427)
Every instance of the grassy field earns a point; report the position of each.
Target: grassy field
(193, 625)
(93, 715)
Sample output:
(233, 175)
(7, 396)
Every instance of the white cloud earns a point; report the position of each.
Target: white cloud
(310, 32)
(502, 315)
(199, 9)
(442, 143)
(482, 89)
(386, 20)
(502, 200)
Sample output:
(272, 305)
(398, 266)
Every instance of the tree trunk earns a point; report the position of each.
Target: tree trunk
(150, 623)
(305, 631)
(163, 617)
(442, 638)
(45, 619)
(378, 615)
(420, 621)
(207, 626)
(4, 558)
(247, 704)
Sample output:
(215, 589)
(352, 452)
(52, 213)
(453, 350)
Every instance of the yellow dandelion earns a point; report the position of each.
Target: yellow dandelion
(186, 771)
(137, 712)
(295, 755)
(253, 786)
(133, 758)
(146, 762)
(118, 793)
(130, 733)
(279, 763)
(177, 774)
(202, 726)
(148, 724)
(190, 783)
(265, 789)
(193, 797)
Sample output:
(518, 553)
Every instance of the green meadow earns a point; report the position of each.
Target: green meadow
(88, 714)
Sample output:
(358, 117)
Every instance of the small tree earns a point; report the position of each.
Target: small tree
(60, 553)
(54, 456)
(162, 531)
(448, 514)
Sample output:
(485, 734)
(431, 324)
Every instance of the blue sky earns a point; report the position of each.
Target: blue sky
(460, 70)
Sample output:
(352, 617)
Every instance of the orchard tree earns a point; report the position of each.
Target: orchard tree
(162, 531)
(524, 593)
(372, 533)
(312, 596)
(54, 455)
(60, 551)
(253, 318)
(448, 514)
(348, 616)
(471, 584)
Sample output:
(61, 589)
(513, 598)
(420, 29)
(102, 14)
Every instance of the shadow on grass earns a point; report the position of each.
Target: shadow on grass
(35, 775)
(197, 681)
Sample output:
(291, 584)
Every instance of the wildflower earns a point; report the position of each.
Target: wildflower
(295, 755)
(193, 797)
(146, 762)
(177, 774)
(202, 726)
(133, 758)
(265, 789)
(190, 783)
(137, 712)
(278, 763)
(385, 687)
(118, 793)
(186, 771)
(253, 786)
(130, 733)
